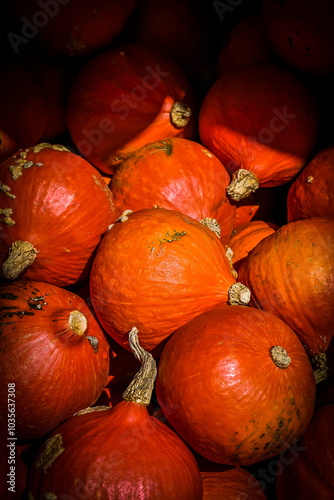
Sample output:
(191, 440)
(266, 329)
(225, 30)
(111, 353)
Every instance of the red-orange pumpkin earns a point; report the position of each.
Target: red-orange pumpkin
(177, 174)
(311, 194)
(308, 472)
(118, 453)
(55, 206)
(301, 34)
(262, 122)
(71, 27)
(231, 484)
(290, 273)
(246, 236)
(125, 98)
(156, 270)
(236, 384)
(52, 351)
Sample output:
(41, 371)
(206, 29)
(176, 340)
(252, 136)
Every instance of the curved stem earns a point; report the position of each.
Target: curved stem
(21, 255)
(242, 185)
(180, 114)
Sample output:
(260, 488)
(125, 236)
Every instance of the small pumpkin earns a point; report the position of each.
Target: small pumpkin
(262, 122)
(246, 236)
(125, 98)
(308, 471)
(156, 269)
(177, 174)
(311, 194)
(55, 207)
(119, 452)
(52, 351)
(290, 273)
(236, 384)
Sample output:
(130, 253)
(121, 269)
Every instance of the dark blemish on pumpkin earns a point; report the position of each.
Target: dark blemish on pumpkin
(262, 435)
(172, 237)
(19, 314)
(266, 445)
(7, 308)
(8, 296)
(281, 423)
(7, 323)
(237, 447)
(256, 448)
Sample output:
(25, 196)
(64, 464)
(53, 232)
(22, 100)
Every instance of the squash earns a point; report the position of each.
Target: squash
(311, 193)
(236, 384)
(290, 273)
(125, 98)
(55, 207)
(307, 473)
(156, 269)
(120, 452)
(52, 351)
(262, 122)
(231, 484)
(177, 174)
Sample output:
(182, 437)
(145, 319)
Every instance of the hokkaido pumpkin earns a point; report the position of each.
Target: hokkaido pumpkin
(55, 206)
(177, 174)
(262, 122)
(301, 34)
(231, 484)
(71, 27)
(311, 194)
(122, 452)
(310, 474)
(156, 269)
(246, 236)
(52, 351)
(290, 273)
(125, 98)
(236, 384)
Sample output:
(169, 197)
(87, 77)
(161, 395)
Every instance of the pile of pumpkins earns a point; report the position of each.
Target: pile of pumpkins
(167, 250)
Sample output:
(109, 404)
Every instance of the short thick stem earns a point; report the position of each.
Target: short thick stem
(238, 294)
(78, 322)
(280, 356)
(22, 254)
(141, 387)
(321, 368)
(242, 185)
(180, 114)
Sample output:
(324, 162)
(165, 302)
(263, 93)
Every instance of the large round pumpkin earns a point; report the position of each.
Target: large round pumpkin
(177, 174)
(55, 206)
(118, 453)
(308, 472)
(262, 122)
(236, 384)
(156, 270)
(311, 194)
(125, 98)
(290, 273)
(53, 355)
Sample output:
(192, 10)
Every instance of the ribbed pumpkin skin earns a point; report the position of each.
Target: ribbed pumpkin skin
(121, 100)
(221, 391)
(290, 273)
(61, 205)
(311, 194)
(156, 271)
(260, 118)
(231, 484)
(119, 453)
(310, 474)
(56, 371)
(177, 174)
(246, 236)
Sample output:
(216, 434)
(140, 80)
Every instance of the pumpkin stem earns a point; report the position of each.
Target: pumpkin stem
(320, 367)
(238, 294)
(141, 386)
(229, 255)
(280, 356)
(21, 255)
(180, 114)
(78, 322)
(242, 185)
(211, 224)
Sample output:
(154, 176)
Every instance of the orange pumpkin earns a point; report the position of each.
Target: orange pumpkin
(125, 98)
(156, 270)
(177, 174)
(234, 483)
(236, 384)
(262, 122)
(55, 207)
(311, 194)
(52, 352)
